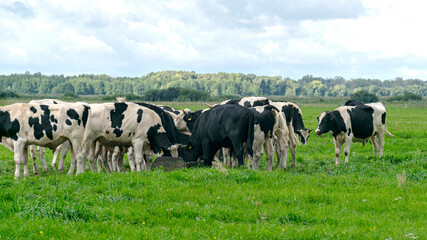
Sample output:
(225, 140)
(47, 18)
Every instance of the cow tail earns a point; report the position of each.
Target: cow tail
(385, 129)
(250, 138)
(293, 137)
(388, 133)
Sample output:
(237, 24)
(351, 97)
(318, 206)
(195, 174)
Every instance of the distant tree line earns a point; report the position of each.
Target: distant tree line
(214, 84)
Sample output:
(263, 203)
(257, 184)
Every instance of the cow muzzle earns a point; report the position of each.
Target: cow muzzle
(317, 132)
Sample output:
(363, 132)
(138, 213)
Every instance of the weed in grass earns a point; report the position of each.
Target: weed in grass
(219, 166)
(401, 179)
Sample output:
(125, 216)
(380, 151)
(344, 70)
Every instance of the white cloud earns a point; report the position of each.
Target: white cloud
(354, 38)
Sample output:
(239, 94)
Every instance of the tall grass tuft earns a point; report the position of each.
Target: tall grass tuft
(401, 179)
(219, 166)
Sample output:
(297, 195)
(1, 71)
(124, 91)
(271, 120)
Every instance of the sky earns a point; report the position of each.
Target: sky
(381, 39)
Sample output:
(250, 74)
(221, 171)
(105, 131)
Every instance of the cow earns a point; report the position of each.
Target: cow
(293, 116)
(221, 126)
(127, 124)
(167, 116)
(46, 125)
(62, 149)
(178, 118)
(248, 101)
(357, 123)
(269, 125)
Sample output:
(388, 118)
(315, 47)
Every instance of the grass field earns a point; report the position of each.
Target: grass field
(368, 198)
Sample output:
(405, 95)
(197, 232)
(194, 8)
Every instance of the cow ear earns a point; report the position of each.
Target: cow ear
(309, 130)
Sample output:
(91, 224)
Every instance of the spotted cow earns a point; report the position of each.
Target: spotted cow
(127, 124)
(44, 125)
(293, 116)
(356, 123)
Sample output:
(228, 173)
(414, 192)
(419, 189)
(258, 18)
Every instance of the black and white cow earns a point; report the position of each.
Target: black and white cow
(127, 124)
(357, 123)
(61, 149)
(222, 126)
(44, 125)
(248, 101)
(269, 125)
(293, 116)
(178, 118)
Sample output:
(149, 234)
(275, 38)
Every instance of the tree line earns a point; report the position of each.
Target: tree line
(214, 84)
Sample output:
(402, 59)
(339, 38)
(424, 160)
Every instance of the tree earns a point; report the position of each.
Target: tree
(364, 96)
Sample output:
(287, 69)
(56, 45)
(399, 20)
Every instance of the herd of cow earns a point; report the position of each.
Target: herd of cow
(241, 128)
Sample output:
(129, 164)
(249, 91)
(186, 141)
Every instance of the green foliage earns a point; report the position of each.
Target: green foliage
(215, 84)
(406, 97)
(129, 97)
(364, 96)
(8, 94)
(70, 95)
(175, 94)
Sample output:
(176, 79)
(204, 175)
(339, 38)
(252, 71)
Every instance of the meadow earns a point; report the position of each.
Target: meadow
(368, 198)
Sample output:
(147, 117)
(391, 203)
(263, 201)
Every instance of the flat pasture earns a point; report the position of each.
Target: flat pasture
(368, 198)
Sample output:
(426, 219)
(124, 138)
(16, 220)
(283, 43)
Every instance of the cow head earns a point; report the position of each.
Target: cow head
(304, 135)
(180, 123)
(190, 119)
(190, 152)
(325, 121)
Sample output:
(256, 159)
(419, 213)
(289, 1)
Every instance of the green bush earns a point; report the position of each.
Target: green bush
(406, 97)
(175, 94)
(364, 97)
(8, 94)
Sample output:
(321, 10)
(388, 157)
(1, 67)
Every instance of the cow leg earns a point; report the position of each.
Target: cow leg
(25, 162)
(285, 158)
(374, 142)
(55, 156)
(73, 162)
(109, 159)
(238, 152)
(92, 163)
(206, 146)
(104, 158)
(121, 155)
(380, 137)
(293, 147)
(148, 161)
(256, 159)
(338, 146)
(81, 153)
(41, 151)
(17, 157)
(279, 159)
(347, 145)
(33, 155)
(269, 151)
(137, 148)
(64, 150)
(227, 156)
(131, 159)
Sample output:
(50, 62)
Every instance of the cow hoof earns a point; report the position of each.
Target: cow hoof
(61, 169)
(46, 169)
(53, 165)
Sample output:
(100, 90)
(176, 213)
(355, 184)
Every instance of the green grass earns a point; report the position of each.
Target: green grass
(315, 200)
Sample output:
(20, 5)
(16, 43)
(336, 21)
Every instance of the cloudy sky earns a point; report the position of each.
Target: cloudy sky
(381, 39)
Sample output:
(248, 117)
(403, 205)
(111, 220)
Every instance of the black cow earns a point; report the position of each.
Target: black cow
(356, 123)
(221, 126)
